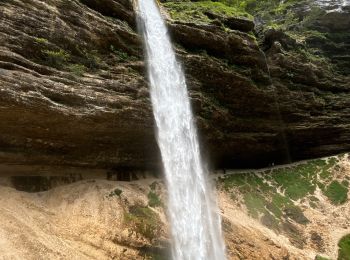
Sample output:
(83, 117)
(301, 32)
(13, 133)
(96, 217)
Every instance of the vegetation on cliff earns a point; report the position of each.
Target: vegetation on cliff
(202, 11)
(344, 248)
(304, 22)
(279, 197)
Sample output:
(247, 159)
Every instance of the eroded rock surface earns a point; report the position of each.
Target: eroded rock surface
(74, 91)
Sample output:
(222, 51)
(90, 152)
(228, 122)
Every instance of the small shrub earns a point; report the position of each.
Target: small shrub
(77, 69)
(337, 193)
(344, 248)
(92, 59)
(41, 40)
(116, 192)
(56, 59)
(154, 200)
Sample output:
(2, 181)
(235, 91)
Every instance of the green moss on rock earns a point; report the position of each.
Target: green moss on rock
(336, 193)
(344, 248)
(77, 69)
(56, 59)
(196, 11)
(116, 192)
(276, 197)
(154, 200)
(255, 204)
(296, 182)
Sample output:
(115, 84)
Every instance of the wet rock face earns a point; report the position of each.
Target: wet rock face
(74, 91)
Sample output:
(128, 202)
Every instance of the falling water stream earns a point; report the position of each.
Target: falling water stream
(193, 213)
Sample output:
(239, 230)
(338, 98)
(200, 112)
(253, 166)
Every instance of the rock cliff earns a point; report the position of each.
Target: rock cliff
(74, 90)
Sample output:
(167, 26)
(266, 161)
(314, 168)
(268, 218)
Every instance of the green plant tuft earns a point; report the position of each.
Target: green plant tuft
(196, 11)
(344, 248)
(318, 257)
(154, 200)
(92, 60)
(77, 69)
(41, 40)
(116, 192)
(336, 193)
(255, 204)
(56, 59)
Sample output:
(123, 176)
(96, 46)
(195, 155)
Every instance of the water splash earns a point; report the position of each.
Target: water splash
(333, 5)
(195, 222)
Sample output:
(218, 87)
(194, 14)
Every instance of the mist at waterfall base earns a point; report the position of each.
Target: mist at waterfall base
(194, 218)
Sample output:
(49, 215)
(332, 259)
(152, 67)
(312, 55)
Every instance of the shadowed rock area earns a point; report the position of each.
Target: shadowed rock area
(74, 91)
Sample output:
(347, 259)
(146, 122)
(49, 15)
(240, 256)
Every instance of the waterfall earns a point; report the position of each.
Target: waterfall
(333, 5)
(192, 209)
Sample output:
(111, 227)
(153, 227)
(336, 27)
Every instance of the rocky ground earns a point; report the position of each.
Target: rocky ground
(100, 219)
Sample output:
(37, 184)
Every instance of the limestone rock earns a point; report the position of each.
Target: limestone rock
(74, 91)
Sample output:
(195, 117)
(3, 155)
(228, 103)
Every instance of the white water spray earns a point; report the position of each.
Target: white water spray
(194, 217)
